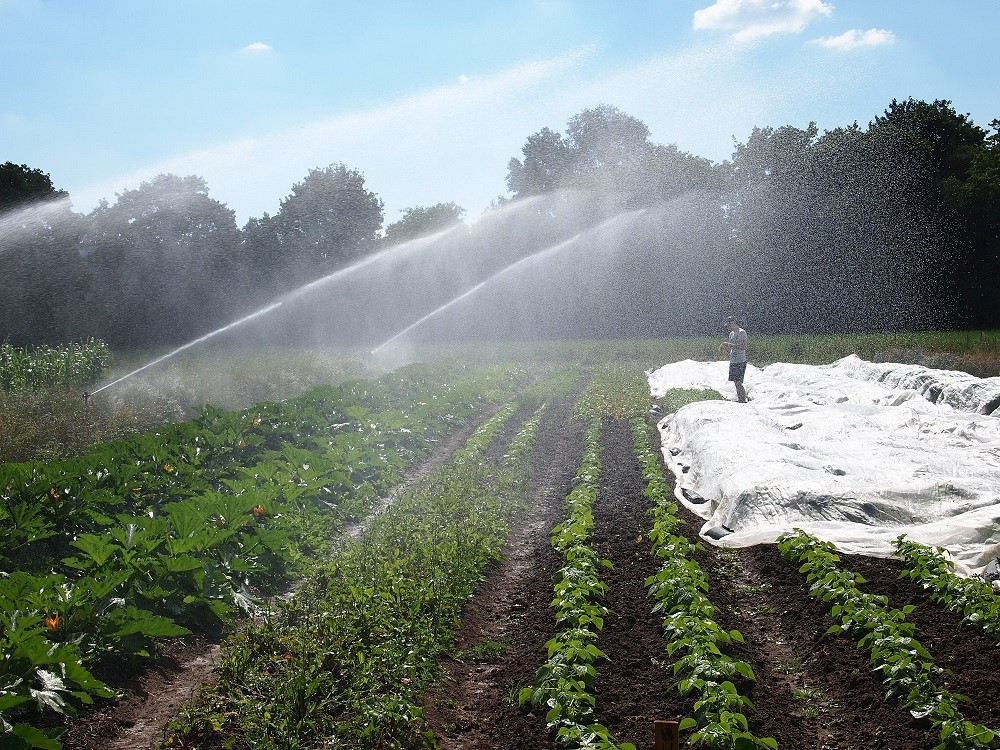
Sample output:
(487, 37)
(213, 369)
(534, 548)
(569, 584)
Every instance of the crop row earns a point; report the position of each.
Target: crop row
(908, 670)
(72, 365)
(350, 654)
(695, 639)
(972, 598)
(148, 536)
(564, 684)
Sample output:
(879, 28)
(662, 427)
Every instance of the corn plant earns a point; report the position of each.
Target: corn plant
(72, 365)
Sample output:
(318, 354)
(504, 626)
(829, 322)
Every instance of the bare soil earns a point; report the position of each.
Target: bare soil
(813, 691)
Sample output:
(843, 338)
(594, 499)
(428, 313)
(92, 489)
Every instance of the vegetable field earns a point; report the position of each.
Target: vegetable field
(457, 557)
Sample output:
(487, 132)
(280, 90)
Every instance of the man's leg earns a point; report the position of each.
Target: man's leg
(741, 392)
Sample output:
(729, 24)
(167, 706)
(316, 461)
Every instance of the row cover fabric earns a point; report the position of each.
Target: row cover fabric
(854, 452)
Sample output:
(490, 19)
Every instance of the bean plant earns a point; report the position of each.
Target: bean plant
(973, 598)
(695, 639)
(908, 670)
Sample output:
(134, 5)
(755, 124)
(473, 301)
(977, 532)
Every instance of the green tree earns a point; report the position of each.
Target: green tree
(606, 151)
(955, 153)
(164, 258)
(329, 219)
(831, 232)
(547, 163)
(423, 220)
(605, 138)
(20, 184)
(948, 139)
(40, 258)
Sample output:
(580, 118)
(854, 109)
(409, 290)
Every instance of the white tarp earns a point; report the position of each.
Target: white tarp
(854, 452)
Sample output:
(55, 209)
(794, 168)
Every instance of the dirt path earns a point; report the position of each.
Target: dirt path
(505, 626)
(634, 687)
(158, 691)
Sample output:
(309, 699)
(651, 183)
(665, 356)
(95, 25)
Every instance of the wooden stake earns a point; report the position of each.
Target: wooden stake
(667, 735)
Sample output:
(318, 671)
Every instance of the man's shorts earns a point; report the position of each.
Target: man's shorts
(737, 370)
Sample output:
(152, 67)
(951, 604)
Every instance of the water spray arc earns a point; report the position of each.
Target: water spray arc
(178, 350)
(513, 267)
(389, 254)
(49, 213)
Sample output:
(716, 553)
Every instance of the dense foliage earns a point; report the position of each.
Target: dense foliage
(889, 227)
(159, 534)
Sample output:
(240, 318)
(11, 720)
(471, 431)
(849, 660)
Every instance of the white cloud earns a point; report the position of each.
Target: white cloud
(749, 19)
(855, 39)
(451, 135)
(257, 47)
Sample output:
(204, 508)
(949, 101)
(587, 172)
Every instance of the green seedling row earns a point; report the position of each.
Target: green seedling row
(349, 656)
(908, 670)
(694, 639)
(564, 684)
(972, 598)
(69, 366)
(152, 536)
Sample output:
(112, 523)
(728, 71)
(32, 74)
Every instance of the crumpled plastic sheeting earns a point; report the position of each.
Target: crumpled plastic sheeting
(854, 452)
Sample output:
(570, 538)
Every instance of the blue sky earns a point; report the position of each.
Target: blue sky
(431, 99)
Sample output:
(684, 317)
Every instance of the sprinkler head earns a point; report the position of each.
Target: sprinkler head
(86, 398)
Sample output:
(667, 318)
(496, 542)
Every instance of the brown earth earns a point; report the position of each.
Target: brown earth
(814, 691)
(475, 703)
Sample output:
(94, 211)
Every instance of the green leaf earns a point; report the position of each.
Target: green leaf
(35, 738)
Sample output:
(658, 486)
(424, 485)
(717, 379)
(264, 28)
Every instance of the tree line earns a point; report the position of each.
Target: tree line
(890, 226)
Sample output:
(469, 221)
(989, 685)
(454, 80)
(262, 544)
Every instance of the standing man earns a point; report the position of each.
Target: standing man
(737, 345)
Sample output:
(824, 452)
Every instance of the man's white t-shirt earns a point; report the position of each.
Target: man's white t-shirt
(738, 351)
